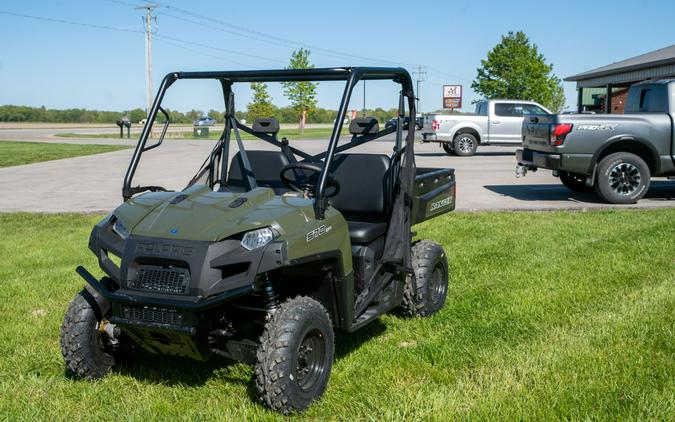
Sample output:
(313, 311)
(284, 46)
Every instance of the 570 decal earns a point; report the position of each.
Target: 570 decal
(319, 231)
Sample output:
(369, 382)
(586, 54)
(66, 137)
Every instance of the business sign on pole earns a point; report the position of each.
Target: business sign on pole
(452, 96)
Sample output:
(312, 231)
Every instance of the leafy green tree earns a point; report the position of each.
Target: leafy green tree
(262, 102)
(194, 114)
(215, 115)
(515, 69)
(136, 115)
(302, 95)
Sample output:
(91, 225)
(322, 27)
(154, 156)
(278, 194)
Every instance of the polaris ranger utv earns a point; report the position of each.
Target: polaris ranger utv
(259, 259)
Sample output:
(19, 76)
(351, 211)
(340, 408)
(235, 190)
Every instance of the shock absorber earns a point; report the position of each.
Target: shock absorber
(270, 296)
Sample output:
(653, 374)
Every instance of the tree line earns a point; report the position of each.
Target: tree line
(288, 114)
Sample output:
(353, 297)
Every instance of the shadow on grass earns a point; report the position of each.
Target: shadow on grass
(170, 370)
(346, 343)
(175, 371)
(659, 190)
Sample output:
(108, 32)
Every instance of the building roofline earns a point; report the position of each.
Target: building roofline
(662, 56)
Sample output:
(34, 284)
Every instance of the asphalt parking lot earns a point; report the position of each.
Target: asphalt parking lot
(485, 181)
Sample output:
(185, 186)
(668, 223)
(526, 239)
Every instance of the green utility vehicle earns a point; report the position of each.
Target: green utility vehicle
(262, 257)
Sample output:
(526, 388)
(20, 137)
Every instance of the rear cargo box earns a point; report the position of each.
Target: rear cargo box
(433, 193)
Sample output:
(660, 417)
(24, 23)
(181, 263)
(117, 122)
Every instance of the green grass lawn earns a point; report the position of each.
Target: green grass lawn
(552, 315)
(215, 133)
(14, 153)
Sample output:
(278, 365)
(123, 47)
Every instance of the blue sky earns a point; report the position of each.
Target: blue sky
(60, 65)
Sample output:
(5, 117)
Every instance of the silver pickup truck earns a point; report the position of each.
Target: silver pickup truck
(614, 154)
(496, 122)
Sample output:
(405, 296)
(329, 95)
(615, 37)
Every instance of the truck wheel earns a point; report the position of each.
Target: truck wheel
(85, 349)
(448, 149)
(575, 182)
(465, 144)
(623, 178)
(295, 355)
(425, 293)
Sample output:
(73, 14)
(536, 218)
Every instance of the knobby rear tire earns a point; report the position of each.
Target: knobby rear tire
(425, 293)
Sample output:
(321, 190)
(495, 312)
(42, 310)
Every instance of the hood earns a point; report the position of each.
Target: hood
(198, 213)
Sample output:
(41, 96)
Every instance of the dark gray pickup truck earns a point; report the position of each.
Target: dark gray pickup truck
(614, 154)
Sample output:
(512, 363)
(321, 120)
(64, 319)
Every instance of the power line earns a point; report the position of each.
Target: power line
(63, 21)
(126, 3)
(163, 41)
(197, 44)
(269, 38)
(135, 31)
(167, 39)
(443, 73)
(221, 29)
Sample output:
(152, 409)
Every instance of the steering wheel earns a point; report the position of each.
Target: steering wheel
(307, 184)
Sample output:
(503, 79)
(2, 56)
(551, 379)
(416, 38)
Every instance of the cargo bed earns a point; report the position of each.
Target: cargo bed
(433, 193)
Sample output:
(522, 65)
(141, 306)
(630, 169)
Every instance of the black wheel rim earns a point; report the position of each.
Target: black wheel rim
(465, 144)
(311, 360)
(624, 178)
(437, 286)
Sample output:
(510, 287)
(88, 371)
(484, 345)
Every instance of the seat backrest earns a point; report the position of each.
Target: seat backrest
(364, 181)
(266, 166)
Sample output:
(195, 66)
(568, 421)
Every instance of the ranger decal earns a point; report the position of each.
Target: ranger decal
(440, 204)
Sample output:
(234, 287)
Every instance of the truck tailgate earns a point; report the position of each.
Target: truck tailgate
(537, 132)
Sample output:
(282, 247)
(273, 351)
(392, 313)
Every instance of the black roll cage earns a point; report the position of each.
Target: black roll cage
(351, 75)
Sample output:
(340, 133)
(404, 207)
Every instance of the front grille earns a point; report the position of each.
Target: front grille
(155, 315)
(161, 279)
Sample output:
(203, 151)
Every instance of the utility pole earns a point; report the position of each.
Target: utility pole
(420, 74)
(149, 7)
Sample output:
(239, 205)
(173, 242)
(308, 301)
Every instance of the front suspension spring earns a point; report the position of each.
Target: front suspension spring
(269, 294)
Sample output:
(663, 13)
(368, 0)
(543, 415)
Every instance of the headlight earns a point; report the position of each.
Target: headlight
(119, 227)
(258, 238)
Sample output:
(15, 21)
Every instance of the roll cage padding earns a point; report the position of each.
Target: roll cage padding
(364, 125)
(265, 125)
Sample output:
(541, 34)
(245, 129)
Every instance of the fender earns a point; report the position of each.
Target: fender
(466, 124)
(341, 285)
(632, 139)
(99, 304)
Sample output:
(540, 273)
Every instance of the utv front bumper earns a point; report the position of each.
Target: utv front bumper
(188, 304)
(166, 294)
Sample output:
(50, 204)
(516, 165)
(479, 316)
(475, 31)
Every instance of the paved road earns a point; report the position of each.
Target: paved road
(93, 183)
